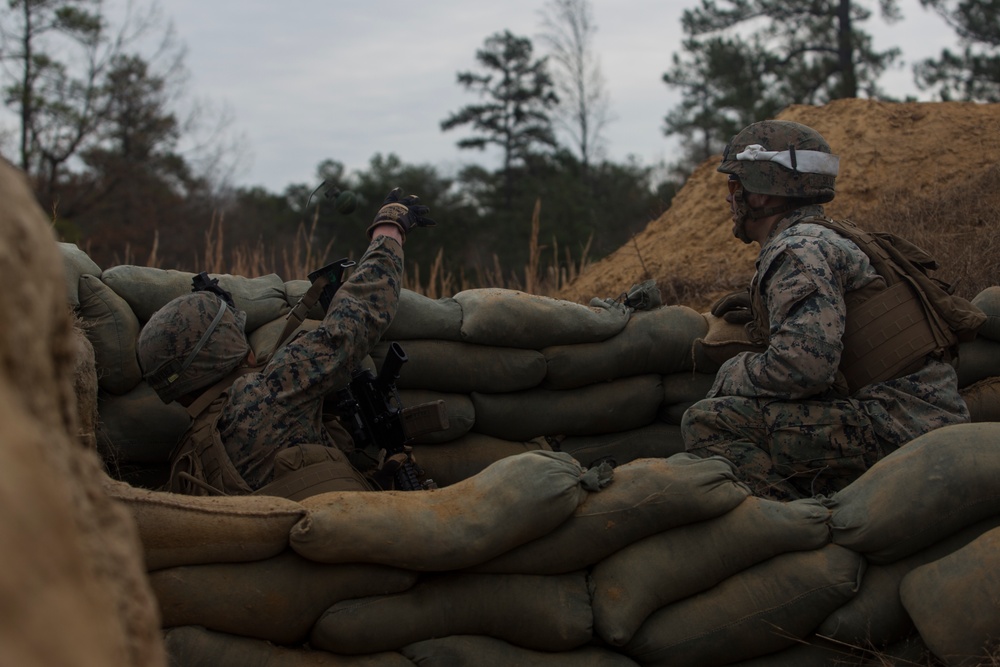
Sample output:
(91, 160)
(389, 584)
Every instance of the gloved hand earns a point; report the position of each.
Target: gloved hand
(403, 211)
(734, 307)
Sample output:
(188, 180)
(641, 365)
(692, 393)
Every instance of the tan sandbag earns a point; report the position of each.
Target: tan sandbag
(449, 366)
(450, 462)
(761, 610)
(187, 530)
(113, 329)
(983, 399)
(138, 427)
(480, 651)
(875, 617)
(76, 263)
(85, 387)
(608, 407)
(988, 301)
(977, 360)
(723, 341)
(671, 565)
(646, 497)
(278, 599)
(73, 591)
(955, 602)
(513, 501)
(654, 341)
(419, 317)
(658, 440)
(504, 317)
(197, 647)
(921, 493)
(148, 289)
(550, 613)
(458, 408)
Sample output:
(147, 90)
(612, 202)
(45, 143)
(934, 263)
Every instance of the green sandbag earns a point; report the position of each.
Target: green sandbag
(649, 574)
(514, 501)
(919, 494)
(450, 462)
(112, 328)
(977, 360)
(686, 387)
(875, 616)
(813, 652)
(463, 367)
(148, 289)
(420, 317)
(542, 613)
(504, 317)
(658, 440)
(608, 407)
(988, 301)
(646, 497)
(138, 427)
(190, 530)
(761, 610)
(480, 651)
(278, 599)
(983, 399)
(76, 263)
(953, 602)
(197, 647)
(457, 407)
(655, 341)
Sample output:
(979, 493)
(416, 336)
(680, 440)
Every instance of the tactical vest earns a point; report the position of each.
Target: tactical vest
(892, 329)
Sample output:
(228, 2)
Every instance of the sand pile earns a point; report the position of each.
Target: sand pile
(886, 149)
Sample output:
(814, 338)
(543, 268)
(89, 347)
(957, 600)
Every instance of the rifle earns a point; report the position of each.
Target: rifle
(371, 411)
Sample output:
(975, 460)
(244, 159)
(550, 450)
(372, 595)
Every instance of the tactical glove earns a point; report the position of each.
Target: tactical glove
(734, 307)
(403, 211)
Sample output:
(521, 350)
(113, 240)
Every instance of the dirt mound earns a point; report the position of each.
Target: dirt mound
(897, 150)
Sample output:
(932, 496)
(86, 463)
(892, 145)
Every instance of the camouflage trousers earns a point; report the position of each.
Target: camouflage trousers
(782, 449)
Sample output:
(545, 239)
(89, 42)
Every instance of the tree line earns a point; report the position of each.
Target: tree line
(96, 129)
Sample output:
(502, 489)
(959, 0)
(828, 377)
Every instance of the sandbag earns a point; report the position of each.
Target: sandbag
(550, 613)
(666, 567)
(512, 502)
(197, 647)
(988, 301)
(148, 289)
(264, 338)
(814, 652)
(451, 462)
(185, 530)
(457, 407)
(609, 407)
(138, 427)
(686, 387)
(919, 494)
(504, 317)
(657, 440)
(875, 616)
(278, 599)
(983, 399)
(480, 651)
(977, 360)
(761, 610)
(646, 496)
(113, 330)
(449, 366)
(955, 602)
(85, 389)
(655, 341)
(421, 318)
(76, 263)
(722, 341)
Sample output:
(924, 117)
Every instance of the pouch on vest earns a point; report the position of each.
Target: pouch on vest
(301, 471)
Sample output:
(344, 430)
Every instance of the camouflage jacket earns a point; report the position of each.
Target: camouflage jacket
(803, 272)
(281, 405)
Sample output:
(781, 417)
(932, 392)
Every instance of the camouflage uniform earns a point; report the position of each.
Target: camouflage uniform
(781, 415)
(281, 406)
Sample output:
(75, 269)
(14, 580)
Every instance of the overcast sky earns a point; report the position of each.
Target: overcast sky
(307, 80)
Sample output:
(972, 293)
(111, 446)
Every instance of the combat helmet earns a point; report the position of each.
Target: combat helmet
(779, 157)
(191, 343)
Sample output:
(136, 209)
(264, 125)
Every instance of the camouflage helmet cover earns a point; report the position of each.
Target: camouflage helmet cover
(190, 343)
(783, 158)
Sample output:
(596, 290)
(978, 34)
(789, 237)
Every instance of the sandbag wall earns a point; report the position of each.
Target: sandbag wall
(635, 572)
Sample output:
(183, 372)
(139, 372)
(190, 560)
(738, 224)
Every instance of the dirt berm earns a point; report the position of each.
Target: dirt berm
(897, 150)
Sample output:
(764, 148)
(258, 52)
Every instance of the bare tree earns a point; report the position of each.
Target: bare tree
(585, 107)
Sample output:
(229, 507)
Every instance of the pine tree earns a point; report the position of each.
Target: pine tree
(974, 73)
